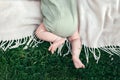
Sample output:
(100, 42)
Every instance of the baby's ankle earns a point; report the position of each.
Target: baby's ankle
(75, 56)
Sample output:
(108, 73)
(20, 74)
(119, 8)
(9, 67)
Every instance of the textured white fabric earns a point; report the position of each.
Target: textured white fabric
(18, 18)
(99, 24)
(99, 20)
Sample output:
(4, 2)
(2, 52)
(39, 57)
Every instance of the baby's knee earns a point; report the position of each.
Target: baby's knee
(75, 37)
(38, 31)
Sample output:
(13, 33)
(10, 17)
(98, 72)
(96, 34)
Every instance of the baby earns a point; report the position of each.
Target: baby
(60, 22)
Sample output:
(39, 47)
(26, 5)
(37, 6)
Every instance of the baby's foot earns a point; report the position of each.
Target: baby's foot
(77, 62)
(58, 42)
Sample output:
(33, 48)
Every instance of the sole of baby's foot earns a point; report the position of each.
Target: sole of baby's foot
(56, 44)
(77, 62)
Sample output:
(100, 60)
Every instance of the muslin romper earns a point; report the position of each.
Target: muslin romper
(60, 16)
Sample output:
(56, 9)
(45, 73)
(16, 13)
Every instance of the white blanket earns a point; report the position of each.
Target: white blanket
(18, 20)
(99, 24)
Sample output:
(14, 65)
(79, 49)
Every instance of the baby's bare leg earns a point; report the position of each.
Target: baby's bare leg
(43, 34)
(76, 48)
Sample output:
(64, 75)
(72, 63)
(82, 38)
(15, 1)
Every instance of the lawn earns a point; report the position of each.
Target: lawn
(39, 64)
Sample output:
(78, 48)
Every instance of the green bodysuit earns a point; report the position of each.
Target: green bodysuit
(60, 16)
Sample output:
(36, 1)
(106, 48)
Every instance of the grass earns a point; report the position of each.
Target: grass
(38, 64)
